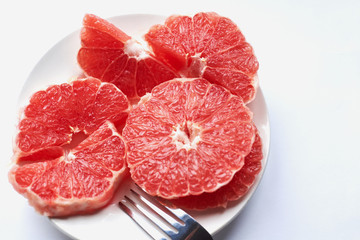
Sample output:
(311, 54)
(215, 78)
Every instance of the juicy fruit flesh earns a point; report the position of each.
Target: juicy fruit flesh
(208, 46)
(81, 181)
(55, 114)
(234, 190)
(112, 56)
(187, 137)
(69, 156)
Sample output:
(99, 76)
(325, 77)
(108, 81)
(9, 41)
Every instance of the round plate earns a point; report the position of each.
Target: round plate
(60, 65)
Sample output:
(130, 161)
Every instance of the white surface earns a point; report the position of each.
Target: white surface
(58, 65)
(309, 56)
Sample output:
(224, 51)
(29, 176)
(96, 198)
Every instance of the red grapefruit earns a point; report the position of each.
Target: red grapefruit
(209, 46)
(112, 56)
(187, 137)
(68, 155)
(232, 191)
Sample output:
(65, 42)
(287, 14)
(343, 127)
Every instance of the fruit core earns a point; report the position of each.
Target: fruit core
(76, 139)
(133, 48)
(196, 66)
(186, 135)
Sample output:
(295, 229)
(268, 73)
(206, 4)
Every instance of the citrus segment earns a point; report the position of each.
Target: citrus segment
(182, 28)
(68, 155)
(79, 181)
(174, 152)
(53, 115)
(235, 189)
(112, 56)
(208, 46)
(204, 27)
(104, 28)
(212, 101)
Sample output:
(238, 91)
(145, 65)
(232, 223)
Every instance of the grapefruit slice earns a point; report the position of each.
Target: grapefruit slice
(234, 190)
(112, 56)
(68, 155)
(209, 46)
(187, 137)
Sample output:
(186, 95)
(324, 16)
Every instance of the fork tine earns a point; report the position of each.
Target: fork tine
(182, 215)
(160, 209)
(159, 221)
(194, 230)
(141, 220)
(151, 213)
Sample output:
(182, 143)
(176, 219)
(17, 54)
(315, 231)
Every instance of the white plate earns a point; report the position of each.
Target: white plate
(58, 66)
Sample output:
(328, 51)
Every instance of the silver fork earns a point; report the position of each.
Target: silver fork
(159, 221)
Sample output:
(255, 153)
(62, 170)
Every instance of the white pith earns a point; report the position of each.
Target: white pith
(196, 68)
(69, 157)
(144, 99)
(182, 140)
(202, 62)
(134, 49)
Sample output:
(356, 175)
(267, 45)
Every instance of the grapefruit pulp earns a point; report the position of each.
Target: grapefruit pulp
(234, 190)
(187, 137)
(68, 155)
(209, 46)
(112, 56)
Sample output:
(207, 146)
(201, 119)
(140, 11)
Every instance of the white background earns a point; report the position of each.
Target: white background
(309, 54)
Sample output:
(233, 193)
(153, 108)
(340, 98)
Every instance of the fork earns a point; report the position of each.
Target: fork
(159, 221)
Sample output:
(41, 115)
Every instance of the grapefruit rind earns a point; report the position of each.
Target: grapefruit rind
(164, 162)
